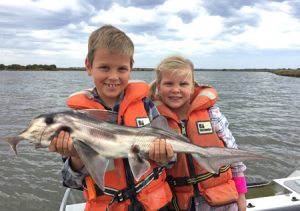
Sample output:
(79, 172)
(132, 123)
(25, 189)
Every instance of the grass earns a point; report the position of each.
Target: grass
(292, 73)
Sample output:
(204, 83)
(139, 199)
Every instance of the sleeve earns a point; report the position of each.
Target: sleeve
(71, 178)
(150, 108)
(221, 126)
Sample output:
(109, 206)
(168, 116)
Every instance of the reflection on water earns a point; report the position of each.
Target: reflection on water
(262, 108)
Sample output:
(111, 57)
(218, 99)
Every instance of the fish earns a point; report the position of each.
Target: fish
(98, 139)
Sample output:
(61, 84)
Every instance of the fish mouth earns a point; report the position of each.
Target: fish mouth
(45, 134)
(40, 141)
(49, 135)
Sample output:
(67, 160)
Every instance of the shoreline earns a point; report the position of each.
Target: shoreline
(282, 72)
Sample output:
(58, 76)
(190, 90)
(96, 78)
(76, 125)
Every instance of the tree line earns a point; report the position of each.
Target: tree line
(28, 67)
(52, 67)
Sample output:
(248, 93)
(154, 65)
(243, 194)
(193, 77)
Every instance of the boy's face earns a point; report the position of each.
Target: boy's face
(175, 90)
(111, 73)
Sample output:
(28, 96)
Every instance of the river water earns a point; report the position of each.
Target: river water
(263, 110)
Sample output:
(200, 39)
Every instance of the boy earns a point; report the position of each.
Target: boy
(109, 62)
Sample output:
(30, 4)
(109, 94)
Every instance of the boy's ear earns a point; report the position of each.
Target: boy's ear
(88, 67)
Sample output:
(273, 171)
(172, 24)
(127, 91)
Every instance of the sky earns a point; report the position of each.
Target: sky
(211, 33)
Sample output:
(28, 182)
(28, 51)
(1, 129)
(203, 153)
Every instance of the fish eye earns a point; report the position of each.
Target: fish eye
(49, 120)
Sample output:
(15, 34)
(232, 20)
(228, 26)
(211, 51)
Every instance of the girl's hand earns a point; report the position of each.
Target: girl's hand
(160, 151)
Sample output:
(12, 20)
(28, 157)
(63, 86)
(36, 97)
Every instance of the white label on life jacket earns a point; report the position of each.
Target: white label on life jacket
(142, 121)
(204, 127)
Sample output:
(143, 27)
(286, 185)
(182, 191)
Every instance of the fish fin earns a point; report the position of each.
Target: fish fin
(205, 163)
(13, 142)
(138, 165)
(104, 115)
(95, 164)
(161, 123)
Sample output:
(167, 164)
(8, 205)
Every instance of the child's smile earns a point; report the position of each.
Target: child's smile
(111, 85)
(175, 91)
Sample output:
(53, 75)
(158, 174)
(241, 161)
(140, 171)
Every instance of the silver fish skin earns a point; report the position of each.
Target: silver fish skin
(97, 138)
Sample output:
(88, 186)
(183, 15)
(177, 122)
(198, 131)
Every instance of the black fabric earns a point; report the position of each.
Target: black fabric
(190, 159)
(135, 205)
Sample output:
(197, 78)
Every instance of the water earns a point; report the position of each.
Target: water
(263, 110)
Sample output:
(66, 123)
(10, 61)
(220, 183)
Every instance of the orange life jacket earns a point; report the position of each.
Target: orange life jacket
(217, 190)
(152, 190)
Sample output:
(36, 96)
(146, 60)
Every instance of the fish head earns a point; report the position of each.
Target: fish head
(41, 130)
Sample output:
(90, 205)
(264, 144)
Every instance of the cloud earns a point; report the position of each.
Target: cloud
(56, 31)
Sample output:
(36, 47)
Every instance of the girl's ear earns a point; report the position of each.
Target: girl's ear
(157, 88)
(88, 67)
(193, 88)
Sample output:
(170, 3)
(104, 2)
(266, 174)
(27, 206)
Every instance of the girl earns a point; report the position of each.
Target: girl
(190, 109)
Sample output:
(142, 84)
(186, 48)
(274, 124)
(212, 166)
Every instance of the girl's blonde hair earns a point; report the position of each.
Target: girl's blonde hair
(111, 38)
(174, 64)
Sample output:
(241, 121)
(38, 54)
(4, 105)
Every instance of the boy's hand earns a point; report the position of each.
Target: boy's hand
(160, 151)
(63, 144)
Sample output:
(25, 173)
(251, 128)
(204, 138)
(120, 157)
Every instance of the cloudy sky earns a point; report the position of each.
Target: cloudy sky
(212, 33)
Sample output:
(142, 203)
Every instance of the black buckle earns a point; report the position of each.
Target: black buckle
(125, 194)
(216, 174)
(179, 181)
(99, 192)
(170, 179)
(155, 173)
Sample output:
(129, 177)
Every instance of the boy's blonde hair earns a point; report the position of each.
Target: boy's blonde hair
(111, 38)
(175, 65)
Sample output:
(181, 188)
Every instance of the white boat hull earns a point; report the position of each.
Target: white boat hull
(288, 200)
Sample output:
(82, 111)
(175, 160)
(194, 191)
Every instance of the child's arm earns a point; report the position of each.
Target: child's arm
(159, 152)
(63, 144)
(221, 126)
(73, 171)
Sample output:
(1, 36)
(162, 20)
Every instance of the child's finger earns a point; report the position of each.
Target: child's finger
(156, 150)
(52, 146)
(59, 143)
(65, 144)
(170, 152)
(162, 151)
(151, 151)
(71, 148)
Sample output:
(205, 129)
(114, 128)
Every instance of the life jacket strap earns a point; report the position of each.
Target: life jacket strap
(184, 181)
(129, 192)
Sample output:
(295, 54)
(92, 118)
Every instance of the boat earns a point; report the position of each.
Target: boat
(279, 194)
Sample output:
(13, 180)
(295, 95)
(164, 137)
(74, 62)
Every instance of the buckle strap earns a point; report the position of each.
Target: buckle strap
(183, 181)
(129, 192)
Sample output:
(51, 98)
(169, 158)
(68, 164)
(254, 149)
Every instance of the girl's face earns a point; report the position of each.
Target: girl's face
(175, 90)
